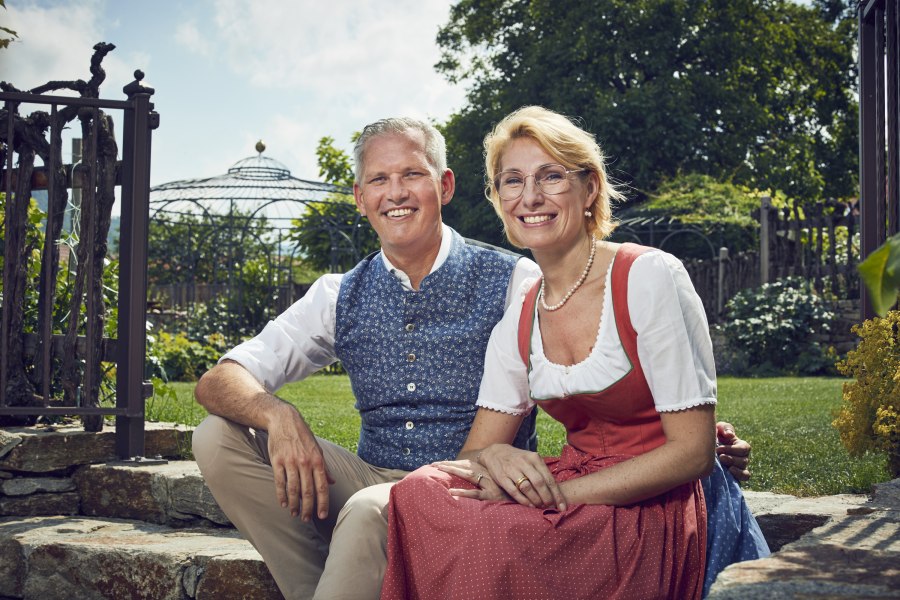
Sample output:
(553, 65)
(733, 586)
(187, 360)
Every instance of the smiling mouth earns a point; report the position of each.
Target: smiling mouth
(399, 212)
(536, 218)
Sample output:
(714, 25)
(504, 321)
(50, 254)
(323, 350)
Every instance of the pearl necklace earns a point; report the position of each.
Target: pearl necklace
(584, 274)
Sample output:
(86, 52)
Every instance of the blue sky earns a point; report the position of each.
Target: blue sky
(230, 72)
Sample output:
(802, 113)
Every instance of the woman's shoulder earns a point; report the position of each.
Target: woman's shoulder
(655, 261)
(656, 277)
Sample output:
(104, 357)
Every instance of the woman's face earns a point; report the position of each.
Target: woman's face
(538, 220)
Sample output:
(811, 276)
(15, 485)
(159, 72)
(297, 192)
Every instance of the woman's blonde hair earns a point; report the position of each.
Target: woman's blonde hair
(571, 146)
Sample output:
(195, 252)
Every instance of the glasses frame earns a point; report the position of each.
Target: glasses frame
(525, 176)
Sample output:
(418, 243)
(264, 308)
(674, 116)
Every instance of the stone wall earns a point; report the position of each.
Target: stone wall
(67, 471)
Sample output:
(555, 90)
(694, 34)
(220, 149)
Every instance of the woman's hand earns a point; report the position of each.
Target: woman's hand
(523, 475)
(476, 474)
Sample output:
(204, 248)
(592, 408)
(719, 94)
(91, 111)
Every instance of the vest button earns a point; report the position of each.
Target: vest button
(411, 387)
(410, 357)
(409, 425)
(406, 452)
(410, 326)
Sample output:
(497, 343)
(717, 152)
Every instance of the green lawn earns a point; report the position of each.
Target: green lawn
(788, 421)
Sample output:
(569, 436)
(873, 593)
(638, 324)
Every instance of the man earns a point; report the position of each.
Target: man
(410, 325)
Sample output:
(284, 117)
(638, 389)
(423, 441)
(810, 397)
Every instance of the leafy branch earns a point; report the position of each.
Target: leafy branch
(881, 274)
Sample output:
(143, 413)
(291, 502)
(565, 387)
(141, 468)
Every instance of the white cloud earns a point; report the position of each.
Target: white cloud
(373, 58)
(56, 43)
(290, 140)
(190, 37)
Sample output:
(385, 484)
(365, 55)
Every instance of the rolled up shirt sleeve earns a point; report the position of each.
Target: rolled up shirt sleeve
(297, 343)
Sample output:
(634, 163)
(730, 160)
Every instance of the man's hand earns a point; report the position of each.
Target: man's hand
(734, 453)
(301, 476)
(476, 474)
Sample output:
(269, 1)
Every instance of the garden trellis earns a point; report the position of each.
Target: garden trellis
(237, 240)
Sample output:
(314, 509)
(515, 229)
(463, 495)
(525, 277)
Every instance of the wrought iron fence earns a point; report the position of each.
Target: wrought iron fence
(44, 371)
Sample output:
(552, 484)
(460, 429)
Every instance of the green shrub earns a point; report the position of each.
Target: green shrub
(771, 330)
(179, 358)
(869, 418)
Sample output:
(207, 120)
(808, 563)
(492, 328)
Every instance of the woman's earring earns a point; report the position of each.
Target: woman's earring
(588, 214)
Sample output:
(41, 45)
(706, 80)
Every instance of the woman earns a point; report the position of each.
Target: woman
(612, 342)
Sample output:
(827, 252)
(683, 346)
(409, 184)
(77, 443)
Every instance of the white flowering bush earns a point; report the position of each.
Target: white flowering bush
(772, 329)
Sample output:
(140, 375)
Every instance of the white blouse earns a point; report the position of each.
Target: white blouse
(673, 345)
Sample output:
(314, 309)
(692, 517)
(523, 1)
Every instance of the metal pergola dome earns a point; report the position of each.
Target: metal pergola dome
(254, 204)
(254, 186)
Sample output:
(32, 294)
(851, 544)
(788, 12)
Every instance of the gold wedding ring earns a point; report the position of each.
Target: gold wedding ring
(478, 479)
(520, 481)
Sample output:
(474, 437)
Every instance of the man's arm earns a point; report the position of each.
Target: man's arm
(301, 478)
(734, 453)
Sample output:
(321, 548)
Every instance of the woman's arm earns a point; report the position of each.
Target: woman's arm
(687, 454)
(488, 446)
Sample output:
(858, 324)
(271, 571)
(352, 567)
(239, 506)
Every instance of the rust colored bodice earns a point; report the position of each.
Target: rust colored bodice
(621, 419)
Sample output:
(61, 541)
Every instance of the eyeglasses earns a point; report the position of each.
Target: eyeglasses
(550, 179)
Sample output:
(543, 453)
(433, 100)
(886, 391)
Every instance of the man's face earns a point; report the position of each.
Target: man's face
(401, 195)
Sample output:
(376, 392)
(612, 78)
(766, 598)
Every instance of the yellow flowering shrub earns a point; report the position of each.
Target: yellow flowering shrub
(869, 417)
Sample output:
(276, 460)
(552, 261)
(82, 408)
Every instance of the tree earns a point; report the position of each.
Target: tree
(756, 92)
(332, 235)
(6, 31)
(722, 212)
(192, 248)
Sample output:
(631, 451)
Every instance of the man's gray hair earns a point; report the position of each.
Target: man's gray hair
(435, 146)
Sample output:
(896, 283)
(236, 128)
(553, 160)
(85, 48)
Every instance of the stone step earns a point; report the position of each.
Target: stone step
(84, 557)
(854, 553)
(139, 530)
(171, 494)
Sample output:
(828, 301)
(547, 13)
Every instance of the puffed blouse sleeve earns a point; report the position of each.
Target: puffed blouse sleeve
(674, 347)
(504, 385)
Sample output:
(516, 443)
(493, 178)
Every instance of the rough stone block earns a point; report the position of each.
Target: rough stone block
(825, 572)
(854, 554)
(887, 495)
(97, 558)
(785, 519)
(66, 503)
(235, 578)
(782, 529)
(67, 571)
(119, 492)
(190, 496)
(12, 560)
(8, 441)
(171, 493)
(42, 451)
(23, 486)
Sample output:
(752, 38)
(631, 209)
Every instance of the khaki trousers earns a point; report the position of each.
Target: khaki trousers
(341, 557)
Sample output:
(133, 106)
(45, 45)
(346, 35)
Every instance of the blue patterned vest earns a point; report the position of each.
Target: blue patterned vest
(415, 359)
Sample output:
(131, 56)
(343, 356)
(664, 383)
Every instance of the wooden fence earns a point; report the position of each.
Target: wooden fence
(818, 242)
